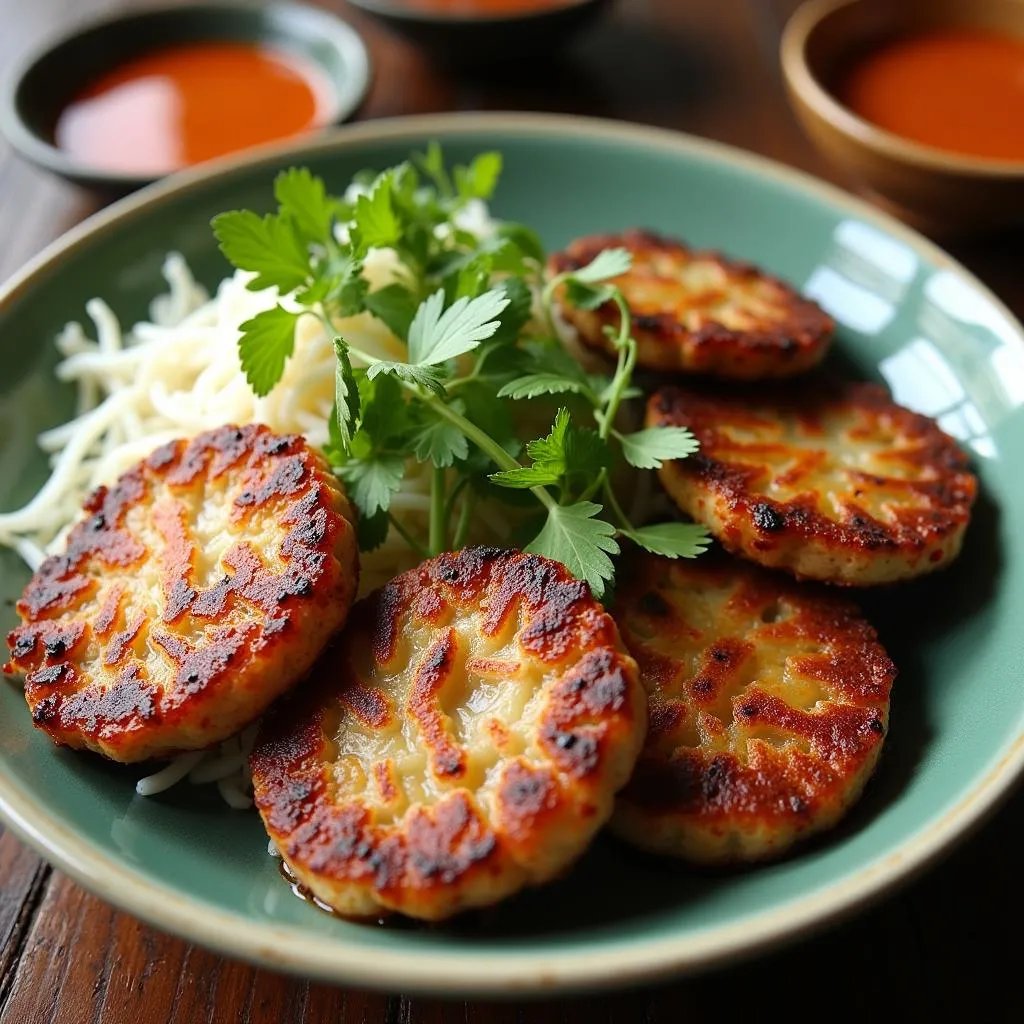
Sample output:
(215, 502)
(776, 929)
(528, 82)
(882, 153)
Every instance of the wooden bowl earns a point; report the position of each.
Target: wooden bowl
(937, 191)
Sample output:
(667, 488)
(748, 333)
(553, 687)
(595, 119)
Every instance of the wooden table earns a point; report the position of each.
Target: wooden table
(948, 941)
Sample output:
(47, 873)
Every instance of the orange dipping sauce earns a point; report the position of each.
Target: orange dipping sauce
(185, 104)
(960, 90)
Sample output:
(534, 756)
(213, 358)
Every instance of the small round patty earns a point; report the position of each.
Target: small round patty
(464, 739)
(699, 312)
(829, 480)
(769, 703)
(196, 590)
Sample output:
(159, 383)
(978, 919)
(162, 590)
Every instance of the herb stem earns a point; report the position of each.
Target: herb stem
(408, 537)
(486, 444)
(438, 540)
(613, 504)
(465, 518)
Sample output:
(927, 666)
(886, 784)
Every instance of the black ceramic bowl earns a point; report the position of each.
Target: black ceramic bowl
(39, 87)
(479, 39)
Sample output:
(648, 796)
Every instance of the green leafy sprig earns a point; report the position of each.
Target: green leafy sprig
(478, 362)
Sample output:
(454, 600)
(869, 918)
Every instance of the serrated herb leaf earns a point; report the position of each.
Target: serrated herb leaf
(586, 453)
(516, 315)
(395, 305)
(534, 384)
(346, 396)
(588, 296)
(267, 341)
(673, 540)
(552, 447)
(540, 474)
(647, 448)
(372, 531)
(436, 336)
(480, 178)
(375, 221)
(605, 265)
(303, 197)
(574, 536)
(440, 443)
(372, 481)
(527, 240)
(268, 246)
(425, 376)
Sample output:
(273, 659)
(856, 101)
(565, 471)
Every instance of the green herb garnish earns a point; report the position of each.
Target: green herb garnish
(477, 359)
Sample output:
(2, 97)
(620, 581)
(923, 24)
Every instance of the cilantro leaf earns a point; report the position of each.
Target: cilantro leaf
(647, 448)
(372, 531)
(534, 384)
(346, 396)
(375, 221)
(527, 240)
(516, 315)
(372, 481)
(480, 178)
(440, 442)
(303, 197)
(582, 543)
(346, 285)
(395, 305)
(268, 246)
(435, 337)
(588, 296)
(552, 447)
(586, 453)
(425, 376)
(540, 474)
(674, 540)
(266, 343)
(606, 264)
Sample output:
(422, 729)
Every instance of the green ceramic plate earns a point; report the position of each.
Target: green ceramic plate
(908, 315)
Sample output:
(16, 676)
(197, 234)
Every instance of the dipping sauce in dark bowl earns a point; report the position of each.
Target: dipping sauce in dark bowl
(178, 106)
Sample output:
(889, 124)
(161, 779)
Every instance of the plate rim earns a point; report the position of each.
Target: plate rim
(549, 971)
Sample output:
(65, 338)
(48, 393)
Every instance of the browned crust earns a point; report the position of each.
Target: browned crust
(769, 773)
(685, 335)
(727, 482)
(213, 637)
(463, 849)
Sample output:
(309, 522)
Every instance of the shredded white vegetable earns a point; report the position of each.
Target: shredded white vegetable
(176, 375)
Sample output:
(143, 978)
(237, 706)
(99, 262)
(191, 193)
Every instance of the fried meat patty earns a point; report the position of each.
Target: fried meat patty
(829, 480)
(463, 739)
(199, 587)
(769, 703)
(699, 312)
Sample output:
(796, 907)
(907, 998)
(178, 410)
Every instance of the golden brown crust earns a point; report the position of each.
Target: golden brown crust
(769, 703)
(195, 591)
(464, 738)
(829, 480)
(699, 312)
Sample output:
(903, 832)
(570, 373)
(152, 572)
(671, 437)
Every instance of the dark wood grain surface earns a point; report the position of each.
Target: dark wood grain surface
(946, 943)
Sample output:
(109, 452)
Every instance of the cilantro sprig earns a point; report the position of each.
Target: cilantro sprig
(482, 358)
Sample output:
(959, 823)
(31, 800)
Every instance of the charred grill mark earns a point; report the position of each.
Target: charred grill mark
(118, 644)
(935, 498)
(525, 796)
(446, 759)
(448, 841)
(385, 779)
(368, 704)
(748, 325)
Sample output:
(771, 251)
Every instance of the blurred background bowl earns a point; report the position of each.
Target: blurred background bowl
(939, 192)
(41, 86)
(475, 34)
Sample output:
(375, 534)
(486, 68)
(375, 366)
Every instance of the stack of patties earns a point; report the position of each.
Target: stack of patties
(768, 699)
